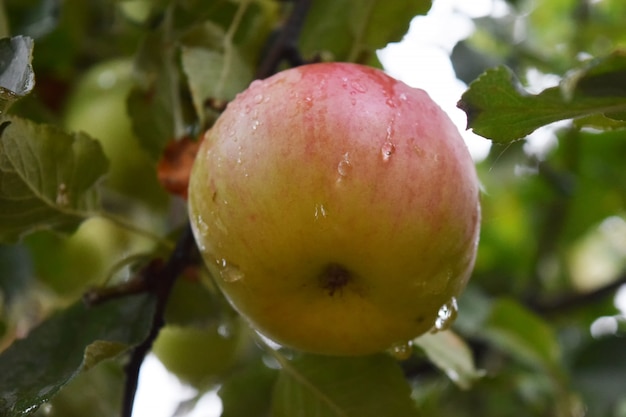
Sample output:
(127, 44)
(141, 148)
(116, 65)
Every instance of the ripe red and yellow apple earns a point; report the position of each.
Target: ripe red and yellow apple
(337, 208)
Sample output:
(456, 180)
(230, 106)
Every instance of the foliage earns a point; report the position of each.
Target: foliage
(552, 251)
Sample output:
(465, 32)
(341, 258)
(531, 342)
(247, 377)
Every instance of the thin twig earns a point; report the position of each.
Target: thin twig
(572, 301)
(161, 280)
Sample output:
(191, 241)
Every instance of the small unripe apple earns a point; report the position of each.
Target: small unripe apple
(200, 355)
(97, 106)
(337, 209)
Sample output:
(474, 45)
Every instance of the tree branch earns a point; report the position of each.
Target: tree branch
(573, 301)
(284, 45)
(161, 278)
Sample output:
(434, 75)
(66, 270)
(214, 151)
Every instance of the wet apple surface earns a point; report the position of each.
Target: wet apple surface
(337, 208)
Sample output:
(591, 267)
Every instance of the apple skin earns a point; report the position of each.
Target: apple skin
(337, 208)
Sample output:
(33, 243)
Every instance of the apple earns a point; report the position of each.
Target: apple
(68, 265)
(97, 106)
(337, 208)
(199, 355)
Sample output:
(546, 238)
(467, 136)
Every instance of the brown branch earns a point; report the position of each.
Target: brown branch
(161, 278)
(284, 44)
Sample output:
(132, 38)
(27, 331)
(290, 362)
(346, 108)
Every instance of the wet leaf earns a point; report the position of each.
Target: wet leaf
(33, 369)
(449, 352)
(16, 73)
(323, 386)
(47, 178)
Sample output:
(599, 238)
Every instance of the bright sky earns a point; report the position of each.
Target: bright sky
(420, 60)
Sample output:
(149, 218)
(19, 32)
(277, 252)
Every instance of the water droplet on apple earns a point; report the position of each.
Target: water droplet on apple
(390, 103)
(255, 83)
(202, 227)
(387, 150)
(247, 109)
(258, 98)
(229, 272)
(225, 330)
(358, 86)
(402, 350)
(255, 124)
(446, 316)
(402, 97)
(320, 212)
(219, 224)
(344, 167)
(353, 101)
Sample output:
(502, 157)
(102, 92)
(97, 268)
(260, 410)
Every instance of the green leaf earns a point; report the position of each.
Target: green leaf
(47, 177)
(523, 335)
(449, 352)
(154, 104)
(498, 108)
(215, 75)
(97, 393)
(33, 370)
(352, 30)
(605, 77)
(598, 368)
(248, 392)
(322, 386)
(16, 274)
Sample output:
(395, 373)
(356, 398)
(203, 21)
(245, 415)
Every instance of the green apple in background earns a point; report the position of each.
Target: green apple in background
(97, 106)
(337, 208)
(69, 264)
(198, 355)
